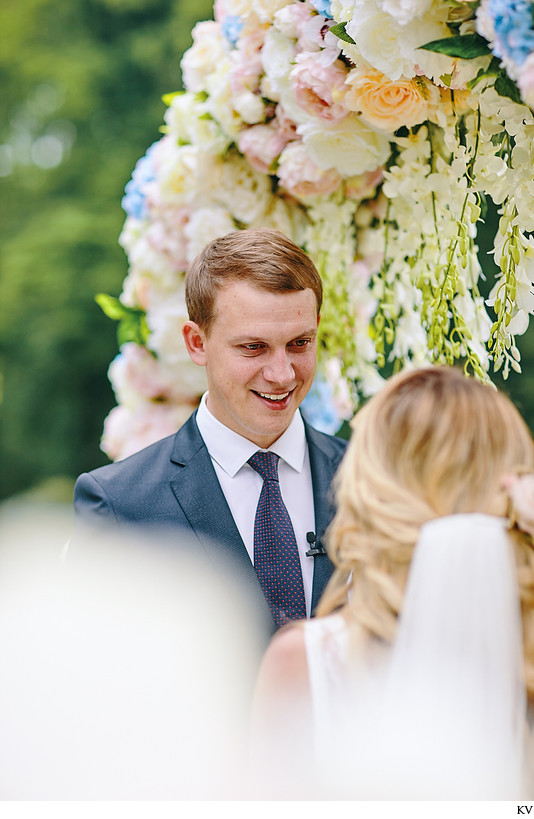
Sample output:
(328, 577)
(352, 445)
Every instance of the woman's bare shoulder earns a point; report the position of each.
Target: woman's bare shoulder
(285, 661)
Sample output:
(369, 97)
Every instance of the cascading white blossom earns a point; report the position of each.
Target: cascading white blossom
(329, 121)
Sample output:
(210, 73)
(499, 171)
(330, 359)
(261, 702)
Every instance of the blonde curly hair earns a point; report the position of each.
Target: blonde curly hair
(431, 443)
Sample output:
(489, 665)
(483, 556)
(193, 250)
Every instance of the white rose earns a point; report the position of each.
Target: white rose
(286, 23)
(205, 225)
(249, 106)
(263, 9)
(177, 171)
(285, 216)
(165, 321)
(146, 260)
(244, 192)
(404, 11)
(342, 10)
(277, 56)
(199, 61)
(349, 146)
(380, 39)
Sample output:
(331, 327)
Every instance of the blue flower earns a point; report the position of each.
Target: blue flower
(512, 23)
(323, 7)
(318, 408)
(133, 202)
(231, 28)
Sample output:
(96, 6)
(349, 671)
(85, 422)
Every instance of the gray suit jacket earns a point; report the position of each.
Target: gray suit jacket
(172, 485)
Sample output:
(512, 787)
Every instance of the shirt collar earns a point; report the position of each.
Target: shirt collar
(231, 451)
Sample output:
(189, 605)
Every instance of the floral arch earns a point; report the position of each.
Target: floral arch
(371, 132)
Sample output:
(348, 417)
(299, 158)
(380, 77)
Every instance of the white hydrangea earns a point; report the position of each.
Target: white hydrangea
(244, 192)
(205, 225)
(208, 50)
(188, 121)
(264, 10)
(220, 103)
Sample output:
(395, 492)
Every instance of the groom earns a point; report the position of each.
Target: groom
(245, 475)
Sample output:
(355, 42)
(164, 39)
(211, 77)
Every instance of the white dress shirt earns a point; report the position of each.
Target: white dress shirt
(242, 485)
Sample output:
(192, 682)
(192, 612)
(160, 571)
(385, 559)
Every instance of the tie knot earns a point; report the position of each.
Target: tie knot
(266, 464)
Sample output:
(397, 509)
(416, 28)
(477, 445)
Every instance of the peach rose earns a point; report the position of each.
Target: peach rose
(386, 104)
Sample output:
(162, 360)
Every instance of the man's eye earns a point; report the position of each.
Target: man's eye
(252, 347)
(301, 342)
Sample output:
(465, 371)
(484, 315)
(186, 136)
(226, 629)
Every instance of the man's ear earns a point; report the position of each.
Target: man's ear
(194, 339)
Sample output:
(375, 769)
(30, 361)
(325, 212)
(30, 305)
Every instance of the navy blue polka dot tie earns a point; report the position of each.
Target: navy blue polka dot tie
(276, 556)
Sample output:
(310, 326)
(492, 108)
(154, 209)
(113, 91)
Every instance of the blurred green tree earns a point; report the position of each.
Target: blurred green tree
(82, 84)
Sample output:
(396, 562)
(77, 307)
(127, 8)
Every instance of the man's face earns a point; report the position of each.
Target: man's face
(260, 358)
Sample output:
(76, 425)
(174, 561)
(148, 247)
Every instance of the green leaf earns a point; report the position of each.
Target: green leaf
(111, 306)
(507, 87)
(339, 30)
(467, 46)
(131, 329)
(168, 98)
(132, 320)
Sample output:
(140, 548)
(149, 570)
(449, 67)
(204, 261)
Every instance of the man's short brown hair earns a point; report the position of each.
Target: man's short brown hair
(261, 257)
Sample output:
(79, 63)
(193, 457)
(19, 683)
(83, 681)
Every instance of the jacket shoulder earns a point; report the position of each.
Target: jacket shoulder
(329, 444)
(155, 457)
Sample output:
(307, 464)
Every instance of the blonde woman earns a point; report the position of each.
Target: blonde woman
(416, 678)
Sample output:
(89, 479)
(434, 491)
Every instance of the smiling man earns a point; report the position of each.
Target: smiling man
(245, 474)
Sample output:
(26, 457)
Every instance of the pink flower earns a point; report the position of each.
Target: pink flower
(521, 492)
(219, 10)
(285, 125)
(363, 186)
(301, 177)
(167, 237)
(525, 81)
(246, 62)
(315, 85)
(262, 144)
(127, 431)
(312, 35)
(137, 374)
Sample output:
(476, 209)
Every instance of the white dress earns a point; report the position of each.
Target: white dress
(441, 715)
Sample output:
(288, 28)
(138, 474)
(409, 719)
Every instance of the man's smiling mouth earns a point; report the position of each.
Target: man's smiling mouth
(276, 398)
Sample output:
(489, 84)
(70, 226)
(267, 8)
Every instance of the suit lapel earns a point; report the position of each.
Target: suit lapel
(198, 491)
(324, 460)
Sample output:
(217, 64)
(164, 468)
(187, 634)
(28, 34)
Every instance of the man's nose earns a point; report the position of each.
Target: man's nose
(279, 369)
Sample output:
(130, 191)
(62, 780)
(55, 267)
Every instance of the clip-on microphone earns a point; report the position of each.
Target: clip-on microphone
(315, 549)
